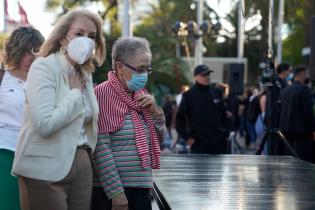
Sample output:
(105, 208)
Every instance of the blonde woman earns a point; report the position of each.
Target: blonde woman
(18, 55)
(52, 159)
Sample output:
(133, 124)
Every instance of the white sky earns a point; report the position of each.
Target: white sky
(222, 8)
(37, 16)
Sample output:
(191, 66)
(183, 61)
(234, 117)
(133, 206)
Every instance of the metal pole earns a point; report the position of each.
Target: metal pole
(241, 25)
(280, 22)
(199, 41)
(178, 49)
(270, 26)
(126, 30)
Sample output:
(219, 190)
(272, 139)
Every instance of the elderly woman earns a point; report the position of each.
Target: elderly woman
(17, 56)
(53, 156)
(131, 128)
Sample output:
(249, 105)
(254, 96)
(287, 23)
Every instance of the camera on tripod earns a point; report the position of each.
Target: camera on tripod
(273, 90)
(269, 72)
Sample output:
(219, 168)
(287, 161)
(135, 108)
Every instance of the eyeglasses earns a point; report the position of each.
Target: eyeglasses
(142, 69)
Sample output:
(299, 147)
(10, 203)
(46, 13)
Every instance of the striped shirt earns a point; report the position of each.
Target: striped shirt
(117, 161)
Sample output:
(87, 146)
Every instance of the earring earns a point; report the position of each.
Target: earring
(62, 49)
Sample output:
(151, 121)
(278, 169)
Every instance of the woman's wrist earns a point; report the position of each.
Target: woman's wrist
(157, 111)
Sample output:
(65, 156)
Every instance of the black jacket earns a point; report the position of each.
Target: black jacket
(296, 115)
(202, 116)
(232, 104)
(253, 109)
(273, 102)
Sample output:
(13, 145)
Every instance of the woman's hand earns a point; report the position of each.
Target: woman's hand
(190, 141)
(120, 202)
(75, 80)
(148, 103)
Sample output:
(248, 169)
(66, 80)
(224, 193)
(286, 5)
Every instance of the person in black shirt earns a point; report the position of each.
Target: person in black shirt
(273, 106)
(232, 105)
(296, 116)
(201, 118)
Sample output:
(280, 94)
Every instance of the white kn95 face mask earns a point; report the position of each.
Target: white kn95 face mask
(80, 49)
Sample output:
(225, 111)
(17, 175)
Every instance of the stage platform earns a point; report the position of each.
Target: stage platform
(228, 182)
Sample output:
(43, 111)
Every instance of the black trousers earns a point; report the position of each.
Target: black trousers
(138, 199)
(275, 145)
(301, 143)
(221, 148)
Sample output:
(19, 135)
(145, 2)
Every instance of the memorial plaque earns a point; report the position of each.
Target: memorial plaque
(206, 182)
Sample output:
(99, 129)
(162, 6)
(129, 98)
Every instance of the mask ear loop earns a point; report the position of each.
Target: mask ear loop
(122, 75)
(33, 52)
(63, 48)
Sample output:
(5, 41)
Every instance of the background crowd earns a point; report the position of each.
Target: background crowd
(284, 104)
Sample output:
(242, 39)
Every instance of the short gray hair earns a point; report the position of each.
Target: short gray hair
(125, 48)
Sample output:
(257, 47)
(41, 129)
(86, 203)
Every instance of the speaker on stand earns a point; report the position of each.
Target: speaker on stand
(233, 75)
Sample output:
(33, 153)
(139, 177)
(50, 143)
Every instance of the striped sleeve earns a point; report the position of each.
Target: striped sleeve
(106, 170)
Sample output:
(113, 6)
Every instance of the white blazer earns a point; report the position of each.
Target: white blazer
(52, 121)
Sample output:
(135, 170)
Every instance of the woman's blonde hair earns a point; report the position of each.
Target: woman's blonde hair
(52, 44)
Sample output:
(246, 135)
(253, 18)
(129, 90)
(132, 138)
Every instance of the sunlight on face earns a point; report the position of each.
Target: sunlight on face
(83, 26)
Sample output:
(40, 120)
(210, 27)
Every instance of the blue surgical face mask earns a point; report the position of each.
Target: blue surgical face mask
(290, 77)
(138, 81)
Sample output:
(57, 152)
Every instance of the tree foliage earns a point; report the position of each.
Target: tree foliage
(169, 70)
(298, 16)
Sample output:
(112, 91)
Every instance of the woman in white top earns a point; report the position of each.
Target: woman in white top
(17, 55)
(58, 134)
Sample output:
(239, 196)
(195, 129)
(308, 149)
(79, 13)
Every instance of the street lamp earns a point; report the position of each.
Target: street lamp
(195, 32)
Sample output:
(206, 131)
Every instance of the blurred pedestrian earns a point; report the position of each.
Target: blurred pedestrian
(296, 116)
(169, 109)
(201, 117)
(253, 111)
(18, 54)
(273, 106)
(232, 102)
(53, 156)
(244, 102)
(131, 129)
(260, 121)
(178, 97)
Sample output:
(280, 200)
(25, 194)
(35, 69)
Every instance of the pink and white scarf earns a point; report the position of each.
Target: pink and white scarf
(114, 103)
